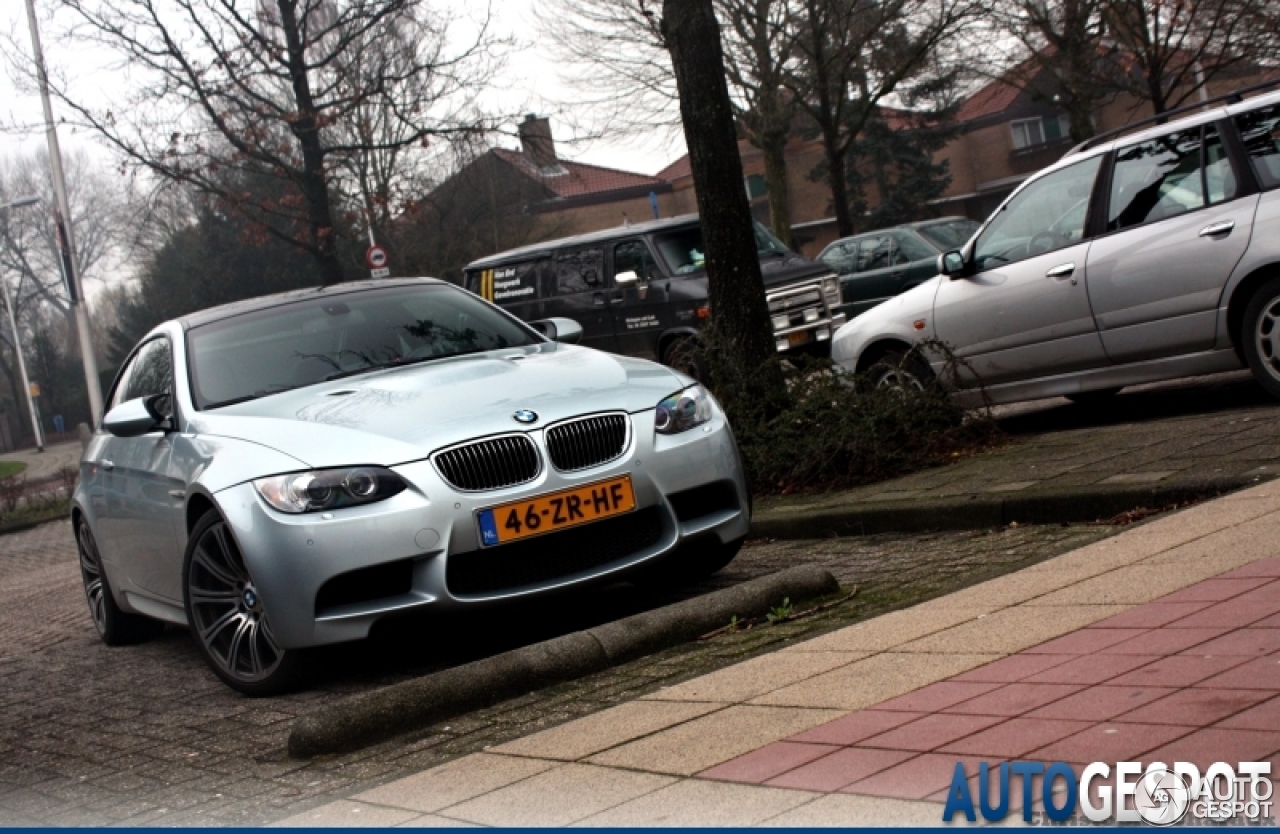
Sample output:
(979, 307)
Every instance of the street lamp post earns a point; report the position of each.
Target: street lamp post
(17, 344)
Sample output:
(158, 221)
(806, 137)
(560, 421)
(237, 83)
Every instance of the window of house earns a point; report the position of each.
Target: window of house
(1027, 133)
(756, 186)
(1260, 130)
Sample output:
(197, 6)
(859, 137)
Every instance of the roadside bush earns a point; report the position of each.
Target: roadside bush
(830, 431)
(12, 489)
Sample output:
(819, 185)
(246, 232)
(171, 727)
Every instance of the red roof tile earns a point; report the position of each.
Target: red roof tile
(676, 170)
(575, 179)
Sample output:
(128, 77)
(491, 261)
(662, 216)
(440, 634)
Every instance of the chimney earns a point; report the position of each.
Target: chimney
(536, 142)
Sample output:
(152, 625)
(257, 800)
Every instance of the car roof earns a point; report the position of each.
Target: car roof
(265, 302)
(548, 246)
(915, 224)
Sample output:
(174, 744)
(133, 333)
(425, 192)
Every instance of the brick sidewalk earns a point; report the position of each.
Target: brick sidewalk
(1162, 641)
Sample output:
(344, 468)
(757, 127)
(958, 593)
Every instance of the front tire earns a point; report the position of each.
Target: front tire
(1261, 336)
(901, 370)
(115, 627)
(684, 354)
(227, 617)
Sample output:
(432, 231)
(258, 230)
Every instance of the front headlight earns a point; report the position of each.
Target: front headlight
(683, 410)
(831, 289)
(328, 489)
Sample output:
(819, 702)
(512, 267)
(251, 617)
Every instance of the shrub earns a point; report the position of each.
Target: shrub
(828, 431)
(12, 489)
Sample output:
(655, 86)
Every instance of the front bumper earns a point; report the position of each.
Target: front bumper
(416, 533)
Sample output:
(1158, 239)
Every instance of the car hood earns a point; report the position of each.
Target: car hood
(397, 415)
(782, 269)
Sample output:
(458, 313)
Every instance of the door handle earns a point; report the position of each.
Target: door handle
(1222, 228)
(598, 299)
(1061, 271)
(177, 493)
(108, 465)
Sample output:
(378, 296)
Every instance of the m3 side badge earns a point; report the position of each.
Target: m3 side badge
(524, 415)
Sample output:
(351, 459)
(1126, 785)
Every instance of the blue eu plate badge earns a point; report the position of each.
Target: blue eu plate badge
(488, 528)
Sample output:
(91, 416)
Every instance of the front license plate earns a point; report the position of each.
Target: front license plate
(798, 338)
(556, 511)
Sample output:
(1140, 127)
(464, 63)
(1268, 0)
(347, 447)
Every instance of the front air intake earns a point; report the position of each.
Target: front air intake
(588, 441)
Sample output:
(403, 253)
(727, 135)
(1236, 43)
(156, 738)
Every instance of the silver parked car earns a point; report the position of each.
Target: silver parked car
(282, 472)
(1147, 254)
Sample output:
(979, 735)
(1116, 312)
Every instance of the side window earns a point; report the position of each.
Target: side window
(1156, 180)
(150, 372)
(579, 271)
(634, 256)
(1046, 215)
(1260, 130)
(839, 258)
(912, 248)
(874, 253)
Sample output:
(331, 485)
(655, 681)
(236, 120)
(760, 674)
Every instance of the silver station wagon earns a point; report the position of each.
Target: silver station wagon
(282, 472)
(1147, 254)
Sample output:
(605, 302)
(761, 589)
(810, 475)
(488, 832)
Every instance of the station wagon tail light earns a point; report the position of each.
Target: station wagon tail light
(683, 410)
(328, 489)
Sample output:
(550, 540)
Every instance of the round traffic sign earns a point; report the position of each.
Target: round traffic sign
(376, 257)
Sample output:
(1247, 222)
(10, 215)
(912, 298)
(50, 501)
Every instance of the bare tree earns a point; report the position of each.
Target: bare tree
(1175, 47)
(855, 54)
(232, 93)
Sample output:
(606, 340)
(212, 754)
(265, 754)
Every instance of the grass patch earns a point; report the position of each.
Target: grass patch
(9, 468)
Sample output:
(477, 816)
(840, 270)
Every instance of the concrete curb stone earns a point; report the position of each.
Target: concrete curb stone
(375, 716)
(978, 511)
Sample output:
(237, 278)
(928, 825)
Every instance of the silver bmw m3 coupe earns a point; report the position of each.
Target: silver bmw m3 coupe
(280, 473)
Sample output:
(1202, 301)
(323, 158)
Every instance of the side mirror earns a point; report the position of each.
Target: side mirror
(626, 279)
(951, 264)
(138, 417)
(559, 329)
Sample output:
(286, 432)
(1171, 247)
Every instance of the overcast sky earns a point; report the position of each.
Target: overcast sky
(531, 83)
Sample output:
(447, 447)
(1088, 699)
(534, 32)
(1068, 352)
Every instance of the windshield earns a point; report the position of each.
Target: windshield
(340, 334)
(949, 234)
(684, 253)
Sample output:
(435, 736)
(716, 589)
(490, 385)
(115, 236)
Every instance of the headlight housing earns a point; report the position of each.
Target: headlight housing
(329, 489)
(683, 410)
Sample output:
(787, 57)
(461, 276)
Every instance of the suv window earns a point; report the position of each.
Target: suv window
(1169, 176)
(579, 271)
(949, 234)
(1048, 214)
(1260, 130)
(634, 256)
(150, 372)
(684, 253)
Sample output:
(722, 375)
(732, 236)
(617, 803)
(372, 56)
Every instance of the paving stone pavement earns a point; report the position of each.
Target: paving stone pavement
(146, 735)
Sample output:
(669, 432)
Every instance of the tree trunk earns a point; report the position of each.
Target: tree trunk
(775, 180)
(739, 314)
(312, 182)
(836, 179)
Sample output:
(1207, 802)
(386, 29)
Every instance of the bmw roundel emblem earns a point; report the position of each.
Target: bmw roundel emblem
(524, 415)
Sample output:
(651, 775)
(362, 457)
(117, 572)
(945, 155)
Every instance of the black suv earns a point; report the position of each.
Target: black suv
(641, 290)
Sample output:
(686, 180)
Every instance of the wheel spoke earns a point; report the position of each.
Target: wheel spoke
(208, 633)
(204, 596)
(237, 641)
(220, 572)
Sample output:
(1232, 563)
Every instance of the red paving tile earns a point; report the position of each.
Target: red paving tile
(1265, 716)
(1013, 738)
(1178, 670)
(913, 779)
(1092, 669)
(841, 768)
(1216, 590)
(767, 762)
(1245, 641)
(1262, 673)
(937, 696)
(930, 732)
(1110, 742)
(1084, 641)
(1215, 744)
(1165, 641)
(1230, 614)
(1101, 703)
(856, 726)
(1195, 707)
(1014, 699)
(1262, 567)
(1013, 668)
(1152, 615)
